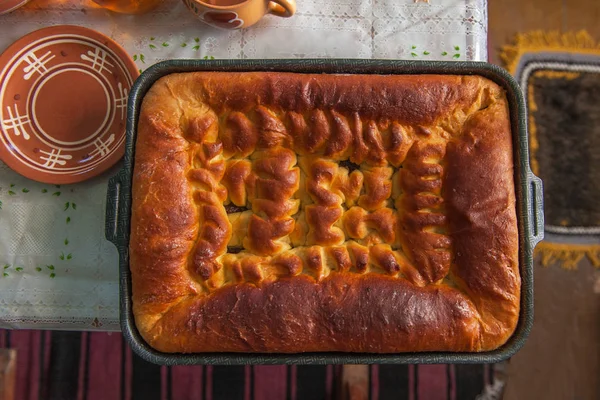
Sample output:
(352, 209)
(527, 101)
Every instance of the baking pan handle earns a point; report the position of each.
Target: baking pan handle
(537, 209)
(113, 197)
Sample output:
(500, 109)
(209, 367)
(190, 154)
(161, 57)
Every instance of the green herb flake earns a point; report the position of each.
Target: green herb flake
(140, 70)
(143, 58)
(25, 190)
(52, 275)
(56, 194)
(19, 269)
(67, 204)
(196, 48)
(50, 267)
(152, 38)
(413, 47)
(62, 256)
(183, 44)
(426, 53)
(197, 40)
(44, 190)
(165, 44)
(66, 242)
(69, 256)
(6, 266)
(74, 206)
(5, 274)
(413, 54)
(135, 57)
(456, 55)
(456, 48)
(68, 219)
(444, 53)
(152, 46)
(38, 269)
(10, 192)
(12, 185)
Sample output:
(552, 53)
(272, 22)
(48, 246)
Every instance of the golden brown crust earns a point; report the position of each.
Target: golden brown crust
(278, 212)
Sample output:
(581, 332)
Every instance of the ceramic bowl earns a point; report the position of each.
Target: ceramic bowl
(63, 101)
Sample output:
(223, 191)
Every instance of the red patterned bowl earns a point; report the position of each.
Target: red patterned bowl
(7, 6)
(63, 100)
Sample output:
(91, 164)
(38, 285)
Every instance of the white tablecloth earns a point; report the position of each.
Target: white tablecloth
(58, 271)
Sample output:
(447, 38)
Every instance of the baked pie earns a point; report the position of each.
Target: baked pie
(282, 212)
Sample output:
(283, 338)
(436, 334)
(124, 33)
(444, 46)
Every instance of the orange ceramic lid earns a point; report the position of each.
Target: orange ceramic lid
(63, 104)
(7, 6)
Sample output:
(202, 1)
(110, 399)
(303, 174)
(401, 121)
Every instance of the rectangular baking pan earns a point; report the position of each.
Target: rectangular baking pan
(528, 191)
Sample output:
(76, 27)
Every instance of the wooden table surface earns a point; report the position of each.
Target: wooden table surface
(509, 17)
(561, 359)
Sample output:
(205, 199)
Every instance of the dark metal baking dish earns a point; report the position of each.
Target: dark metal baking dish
(528, 188)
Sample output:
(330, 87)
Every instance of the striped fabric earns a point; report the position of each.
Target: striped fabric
(58, 365)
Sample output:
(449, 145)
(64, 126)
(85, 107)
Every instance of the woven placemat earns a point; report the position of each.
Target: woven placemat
(560, 77)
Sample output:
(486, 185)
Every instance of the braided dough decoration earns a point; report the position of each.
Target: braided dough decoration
(279, 212)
